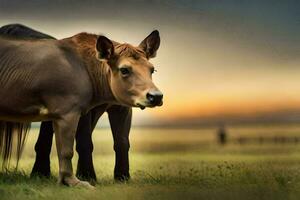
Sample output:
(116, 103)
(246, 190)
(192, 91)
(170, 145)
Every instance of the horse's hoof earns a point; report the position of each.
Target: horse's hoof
(85, 184)
(91, 178)
(75, 182)
(122, 178)
(40, 174)
(40, 170)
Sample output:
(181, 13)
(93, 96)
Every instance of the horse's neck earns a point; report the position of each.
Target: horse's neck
(98, 71)
(100, 78)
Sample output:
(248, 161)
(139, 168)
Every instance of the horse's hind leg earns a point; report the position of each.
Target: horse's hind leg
(65, 130)
(43, 148)
(120, 122)
(84, 147)
(84, 143)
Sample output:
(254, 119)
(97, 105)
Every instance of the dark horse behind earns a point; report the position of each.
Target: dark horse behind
(119, 117)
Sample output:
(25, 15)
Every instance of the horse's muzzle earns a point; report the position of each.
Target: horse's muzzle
(155, 98)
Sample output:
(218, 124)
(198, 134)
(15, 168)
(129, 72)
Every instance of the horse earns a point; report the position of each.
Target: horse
(119, 118)
(60, 80)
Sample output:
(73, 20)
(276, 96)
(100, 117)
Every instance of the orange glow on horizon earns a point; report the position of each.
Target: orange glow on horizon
(212, 108)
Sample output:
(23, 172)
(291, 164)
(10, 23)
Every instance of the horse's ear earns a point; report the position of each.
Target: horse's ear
(151, 44)
(104, 47)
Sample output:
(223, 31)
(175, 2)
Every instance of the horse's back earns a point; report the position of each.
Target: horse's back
(34, 74)
(21, 31)
(25, 59)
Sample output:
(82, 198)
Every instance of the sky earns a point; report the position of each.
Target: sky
(218, 60)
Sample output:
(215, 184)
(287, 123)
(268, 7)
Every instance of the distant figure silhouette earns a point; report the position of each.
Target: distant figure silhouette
(222, 135)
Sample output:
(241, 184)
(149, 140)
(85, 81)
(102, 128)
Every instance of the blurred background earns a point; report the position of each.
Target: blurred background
(220, 61)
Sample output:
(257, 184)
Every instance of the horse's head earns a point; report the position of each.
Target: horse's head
(131, 72)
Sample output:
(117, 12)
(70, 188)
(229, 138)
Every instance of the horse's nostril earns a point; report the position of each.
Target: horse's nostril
(150, 97)
(154, 97)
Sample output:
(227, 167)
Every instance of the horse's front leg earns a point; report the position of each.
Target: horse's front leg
(120, 122)
(43, 148)
(65, 130)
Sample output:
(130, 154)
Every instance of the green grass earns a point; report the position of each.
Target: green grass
(175, 164)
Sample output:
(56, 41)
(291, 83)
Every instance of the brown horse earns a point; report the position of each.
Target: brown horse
(60, 80)
(119, 118)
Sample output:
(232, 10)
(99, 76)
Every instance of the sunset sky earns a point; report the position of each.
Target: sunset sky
(217, 58)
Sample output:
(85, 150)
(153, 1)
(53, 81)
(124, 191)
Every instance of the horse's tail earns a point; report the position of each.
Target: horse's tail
(12, 133)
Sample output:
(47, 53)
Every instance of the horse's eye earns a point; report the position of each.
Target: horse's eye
(153, 70)
(124, 71)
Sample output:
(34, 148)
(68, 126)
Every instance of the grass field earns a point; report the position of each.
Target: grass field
(176, 164)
